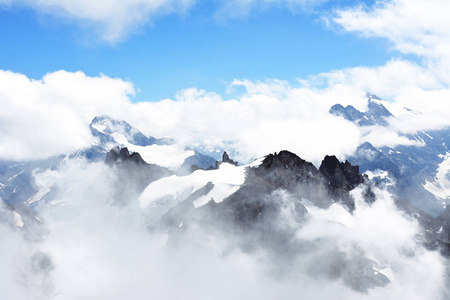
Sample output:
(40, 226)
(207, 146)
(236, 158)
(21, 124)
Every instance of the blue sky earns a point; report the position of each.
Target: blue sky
(192, 51)
(197, 49)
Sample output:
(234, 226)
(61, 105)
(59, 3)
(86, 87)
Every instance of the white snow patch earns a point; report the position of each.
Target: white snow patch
(12, 177)
(257, 162)
(420, 140)
(427, 135)
(99, 127)
(227, 179)
(336, 213)
(440, 187)
(377, 173)
(169, 156)
(18, 221)
(38, 196)
(60, 202)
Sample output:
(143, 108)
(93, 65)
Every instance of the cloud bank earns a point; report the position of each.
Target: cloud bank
(46, 117)
(89, 248)
(114, 20)
(41, 118)
(51, 116)
(413, 27)
(111, 20)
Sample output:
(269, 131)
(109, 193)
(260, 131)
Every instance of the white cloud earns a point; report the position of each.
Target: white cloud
(386, 81)
(112, 20)
(40, 118)
(412, 26)
(47, 117)
(103, 251)
(404, 84)
(253, 125)
(242, 8)
(370, 228)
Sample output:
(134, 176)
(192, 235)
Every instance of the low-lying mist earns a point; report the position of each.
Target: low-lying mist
(85, 245)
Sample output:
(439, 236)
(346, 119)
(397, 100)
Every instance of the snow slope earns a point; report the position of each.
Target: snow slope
(226, 180)
(440, 187)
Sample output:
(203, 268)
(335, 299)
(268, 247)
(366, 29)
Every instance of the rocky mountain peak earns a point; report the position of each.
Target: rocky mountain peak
(227, 159)
(120, 155)
(284, 169)
(104, 126)
(342, 178)
(337, 172)
(376, 113)
(134, 172)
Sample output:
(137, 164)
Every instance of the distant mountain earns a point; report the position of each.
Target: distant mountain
(411, 171)
(108, 130)
(376, 113)
(17, 185)
(305, 220)
(246, 200)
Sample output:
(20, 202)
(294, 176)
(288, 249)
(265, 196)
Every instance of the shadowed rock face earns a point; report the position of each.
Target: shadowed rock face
(254, 204)
(342, 178)
(284, 170)
(135, 174)
(340, 175)
(226, 159)
(332, 182)
(121, 155)
(255, 217)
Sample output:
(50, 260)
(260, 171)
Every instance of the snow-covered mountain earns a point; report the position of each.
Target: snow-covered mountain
(418, 172)
(17, 184)
(278, 220)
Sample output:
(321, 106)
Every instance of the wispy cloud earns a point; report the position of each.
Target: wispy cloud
(111, 20)
(243, 8)
(115, 20)
(413, 27)
(46, 117)
(92, 249)
(40, 118)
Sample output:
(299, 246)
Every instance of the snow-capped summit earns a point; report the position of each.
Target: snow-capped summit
(107, 128)
(414, 171)
(376, 113)
(17, 182)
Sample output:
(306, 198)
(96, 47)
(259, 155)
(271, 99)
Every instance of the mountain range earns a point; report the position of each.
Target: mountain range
(265, 204)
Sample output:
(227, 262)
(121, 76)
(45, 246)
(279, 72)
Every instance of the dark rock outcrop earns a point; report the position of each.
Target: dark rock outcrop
(226, 159)
(342, 178)
(134, 173)
(268, 209)
(121, 155)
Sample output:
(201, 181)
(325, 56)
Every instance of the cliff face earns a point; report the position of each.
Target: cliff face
(134, 173)
(271, 206)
